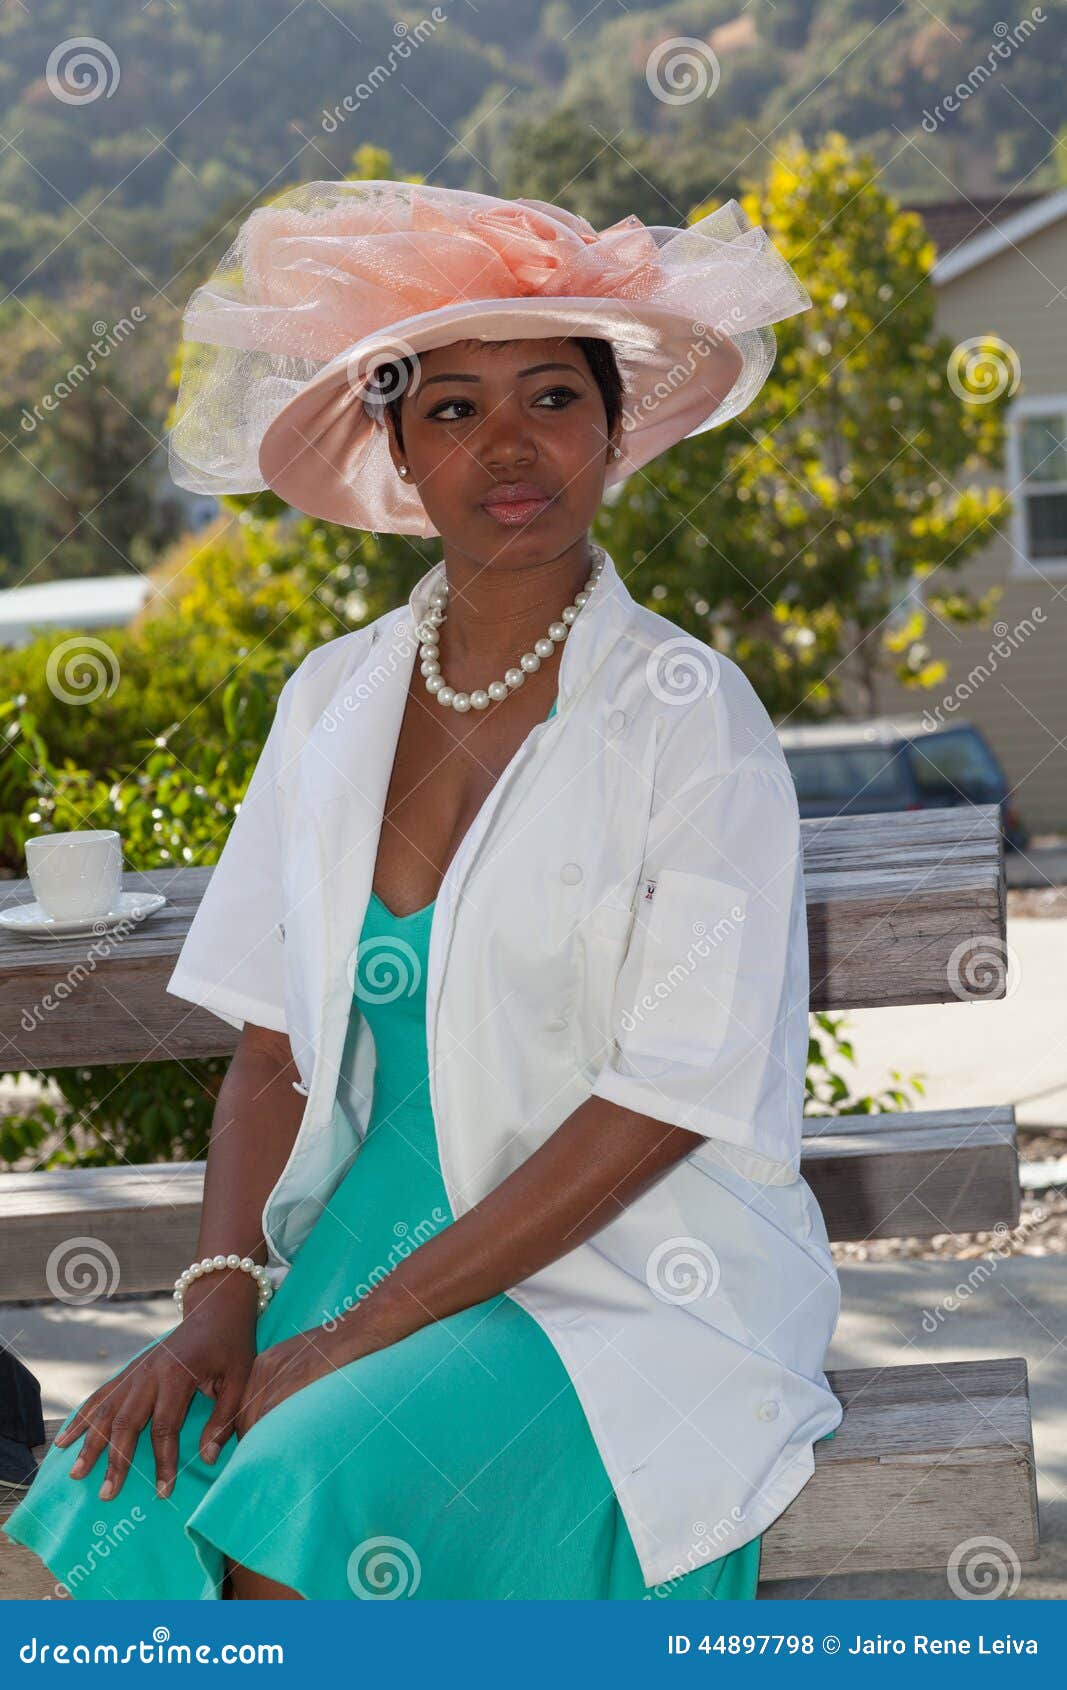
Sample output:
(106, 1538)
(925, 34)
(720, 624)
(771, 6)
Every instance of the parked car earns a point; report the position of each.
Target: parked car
(859, 767)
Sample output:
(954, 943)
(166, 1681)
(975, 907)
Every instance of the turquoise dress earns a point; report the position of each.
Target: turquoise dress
(457, 1463)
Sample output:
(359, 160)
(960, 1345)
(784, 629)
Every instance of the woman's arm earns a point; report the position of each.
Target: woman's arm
(595, 1163)
(252, 1135)
(213, 1347)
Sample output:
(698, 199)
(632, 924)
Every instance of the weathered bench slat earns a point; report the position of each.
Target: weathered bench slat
(913, 1175)
(891, 900)
(880, 1176)
(925, 1458)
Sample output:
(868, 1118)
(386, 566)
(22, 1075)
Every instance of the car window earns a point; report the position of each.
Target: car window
(840, 772)
(960, 759)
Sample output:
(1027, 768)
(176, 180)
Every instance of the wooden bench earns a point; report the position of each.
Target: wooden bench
(899, 908)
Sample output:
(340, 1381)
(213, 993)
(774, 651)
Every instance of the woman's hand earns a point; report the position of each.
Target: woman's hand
(212, 1349)
(283, 1369)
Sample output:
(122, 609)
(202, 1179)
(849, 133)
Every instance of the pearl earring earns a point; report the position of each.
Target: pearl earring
(403, 469)
(616, 452)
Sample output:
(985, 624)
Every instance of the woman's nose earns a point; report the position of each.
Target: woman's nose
(506, 442)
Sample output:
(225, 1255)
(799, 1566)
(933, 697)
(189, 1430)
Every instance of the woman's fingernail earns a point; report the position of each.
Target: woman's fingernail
(107, 1490)
(164, 1487)
(211, 1453)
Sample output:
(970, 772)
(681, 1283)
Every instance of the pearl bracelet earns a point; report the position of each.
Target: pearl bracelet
(211, 1264)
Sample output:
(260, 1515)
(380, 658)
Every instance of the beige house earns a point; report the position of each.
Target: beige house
(1002, 270)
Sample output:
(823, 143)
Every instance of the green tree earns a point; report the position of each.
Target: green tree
(563, 159)
(794, 537)
(81, 478)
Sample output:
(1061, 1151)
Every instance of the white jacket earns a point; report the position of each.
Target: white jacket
(625, 918)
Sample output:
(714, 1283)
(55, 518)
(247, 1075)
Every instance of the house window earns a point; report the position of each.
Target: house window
(1039, 480)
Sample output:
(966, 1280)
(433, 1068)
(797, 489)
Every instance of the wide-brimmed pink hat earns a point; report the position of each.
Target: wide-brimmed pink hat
(282, 375)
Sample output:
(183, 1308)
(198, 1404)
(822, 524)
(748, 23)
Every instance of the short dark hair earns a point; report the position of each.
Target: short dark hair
(393, 377)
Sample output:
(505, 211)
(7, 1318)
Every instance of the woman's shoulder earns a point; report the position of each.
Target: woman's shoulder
(323, 669)
(704, 699)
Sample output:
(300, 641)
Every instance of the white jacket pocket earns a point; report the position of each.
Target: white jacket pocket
(691, 939)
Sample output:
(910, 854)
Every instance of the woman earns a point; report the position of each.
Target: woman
(514, 1291)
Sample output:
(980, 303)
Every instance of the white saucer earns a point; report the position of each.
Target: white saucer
(31, 920)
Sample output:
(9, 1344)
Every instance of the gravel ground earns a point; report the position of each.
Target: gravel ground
(1047, 901)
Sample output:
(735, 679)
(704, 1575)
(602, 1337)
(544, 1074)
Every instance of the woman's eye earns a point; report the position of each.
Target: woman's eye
(439, 413)
(447, 405)
(567, 393)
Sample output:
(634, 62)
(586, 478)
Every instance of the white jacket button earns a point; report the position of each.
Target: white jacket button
(558, 1025)
(769, 1410)
(571, 873)
(298, 1085)
(616, 721)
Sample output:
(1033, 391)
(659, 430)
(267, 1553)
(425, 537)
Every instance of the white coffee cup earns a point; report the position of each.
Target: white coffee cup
(76, 876)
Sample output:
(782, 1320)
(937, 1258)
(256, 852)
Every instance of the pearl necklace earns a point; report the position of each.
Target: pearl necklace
(429, 649)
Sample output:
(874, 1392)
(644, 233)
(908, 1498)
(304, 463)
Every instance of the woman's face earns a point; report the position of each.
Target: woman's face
(521, 419)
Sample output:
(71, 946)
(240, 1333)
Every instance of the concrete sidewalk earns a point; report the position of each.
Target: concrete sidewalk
(1019, 1310)
(1011, 1050)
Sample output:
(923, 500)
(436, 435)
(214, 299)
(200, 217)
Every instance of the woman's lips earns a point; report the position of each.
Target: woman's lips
(511, 511)
(516, 502)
